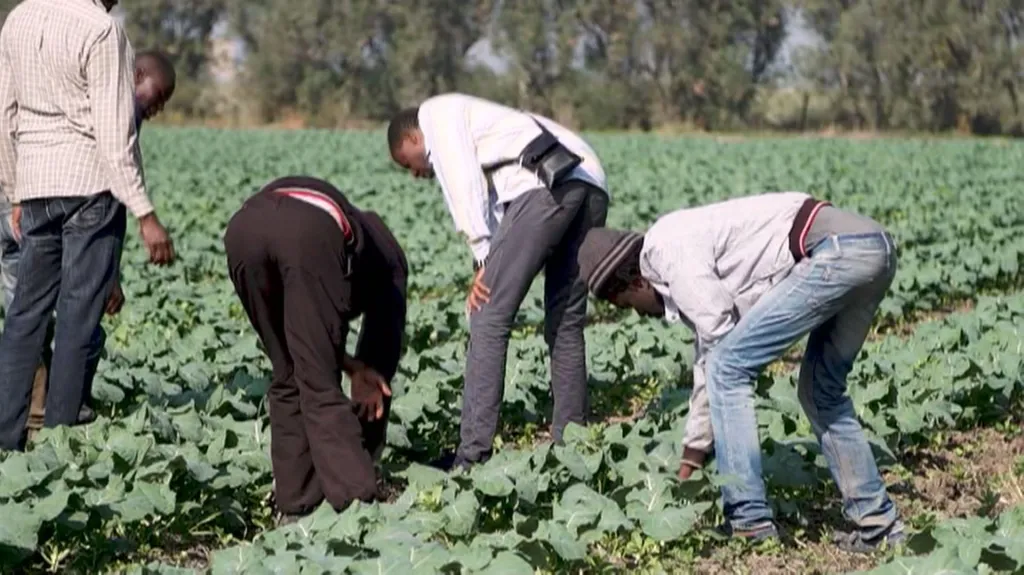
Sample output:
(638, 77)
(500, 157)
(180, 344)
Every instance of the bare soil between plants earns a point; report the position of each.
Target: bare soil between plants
(971, 473)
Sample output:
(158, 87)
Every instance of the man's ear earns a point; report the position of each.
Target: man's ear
(639, 283)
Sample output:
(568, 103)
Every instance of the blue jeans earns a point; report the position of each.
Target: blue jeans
(9, 252)
(833, 295)
(70, 252)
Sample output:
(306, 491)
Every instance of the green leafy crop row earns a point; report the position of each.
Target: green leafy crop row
(179, 462)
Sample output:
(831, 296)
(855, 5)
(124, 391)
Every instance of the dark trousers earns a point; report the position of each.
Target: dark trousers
(286, 261)
(541, 230)
(37, 409)
(10, 253)
(70, 252)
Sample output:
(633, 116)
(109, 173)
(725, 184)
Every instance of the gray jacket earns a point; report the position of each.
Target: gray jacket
(711, 264)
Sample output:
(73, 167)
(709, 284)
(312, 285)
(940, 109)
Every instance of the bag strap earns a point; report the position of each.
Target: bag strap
(495, 166)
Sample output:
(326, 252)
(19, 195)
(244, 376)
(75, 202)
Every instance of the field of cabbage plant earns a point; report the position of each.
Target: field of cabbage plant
(174, 477)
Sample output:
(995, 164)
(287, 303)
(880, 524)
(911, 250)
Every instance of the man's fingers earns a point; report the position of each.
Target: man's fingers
(479, 285)
(479, 296)
(16, 223)
(162, 254)
(385, 389)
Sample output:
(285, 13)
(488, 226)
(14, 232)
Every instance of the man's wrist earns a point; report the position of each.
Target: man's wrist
(350, 364)
(694, 457)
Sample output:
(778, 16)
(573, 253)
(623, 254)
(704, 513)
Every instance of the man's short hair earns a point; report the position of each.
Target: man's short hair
(624, 275)
(401, 124)
(156, 63)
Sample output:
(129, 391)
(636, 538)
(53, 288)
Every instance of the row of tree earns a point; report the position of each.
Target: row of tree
(602, 64)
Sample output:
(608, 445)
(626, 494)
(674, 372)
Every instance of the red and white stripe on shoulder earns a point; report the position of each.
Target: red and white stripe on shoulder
(322, 201)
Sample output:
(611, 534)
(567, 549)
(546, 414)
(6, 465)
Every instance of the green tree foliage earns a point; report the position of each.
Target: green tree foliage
(918, 65)
(922, 64)
(182, 29)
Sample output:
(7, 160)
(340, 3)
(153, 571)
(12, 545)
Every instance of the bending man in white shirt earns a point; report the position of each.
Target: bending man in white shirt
(515, 227)
(752, 276)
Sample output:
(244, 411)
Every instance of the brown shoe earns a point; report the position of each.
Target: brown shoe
(37, 408)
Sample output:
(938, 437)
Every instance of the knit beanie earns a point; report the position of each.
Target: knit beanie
(602, 253)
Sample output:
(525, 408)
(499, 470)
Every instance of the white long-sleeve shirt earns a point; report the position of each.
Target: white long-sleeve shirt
(463, 134)
(711, 264)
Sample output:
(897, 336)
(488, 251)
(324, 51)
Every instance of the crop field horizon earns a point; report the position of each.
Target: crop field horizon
(174, 476)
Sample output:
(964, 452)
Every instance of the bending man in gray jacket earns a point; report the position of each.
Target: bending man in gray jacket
(751, 276)
(516, 225)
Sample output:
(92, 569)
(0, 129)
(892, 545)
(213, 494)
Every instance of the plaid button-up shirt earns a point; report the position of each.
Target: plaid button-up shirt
(67, 105)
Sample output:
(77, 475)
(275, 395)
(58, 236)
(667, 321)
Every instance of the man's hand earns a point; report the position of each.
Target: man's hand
(154, 236)
(368, 390)
(116, 299)
(693, 459)
(16, 222)
(479, 294)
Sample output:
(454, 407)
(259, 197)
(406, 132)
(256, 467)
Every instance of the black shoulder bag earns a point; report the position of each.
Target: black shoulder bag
(545, 156)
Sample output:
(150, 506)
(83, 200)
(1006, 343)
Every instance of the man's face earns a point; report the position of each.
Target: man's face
(151, 95)
(640, 296)
(411, 154)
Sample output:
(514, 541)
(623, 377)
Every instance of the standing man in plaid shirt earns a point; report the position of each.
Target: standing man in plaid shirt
(70, 164)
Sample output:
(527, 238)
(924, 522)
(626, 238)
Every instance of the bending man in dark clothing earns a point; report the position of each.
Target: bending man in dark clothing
(305, 263)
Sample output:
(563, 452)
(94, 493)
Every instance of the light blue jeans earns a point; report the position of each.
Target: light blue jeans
(833, 295)
(9, 251)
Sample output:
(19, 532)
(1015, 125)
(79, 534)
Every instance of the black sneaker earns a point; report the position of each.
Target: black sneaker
(289, 518)
(855, 542)
(386, 491)
(450, 461)
(86, 415)
(761, 532)
(445, 462)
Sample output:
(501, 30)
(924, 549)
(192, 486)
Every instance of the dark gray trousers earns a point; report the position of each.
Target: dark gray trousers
(540, 230)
